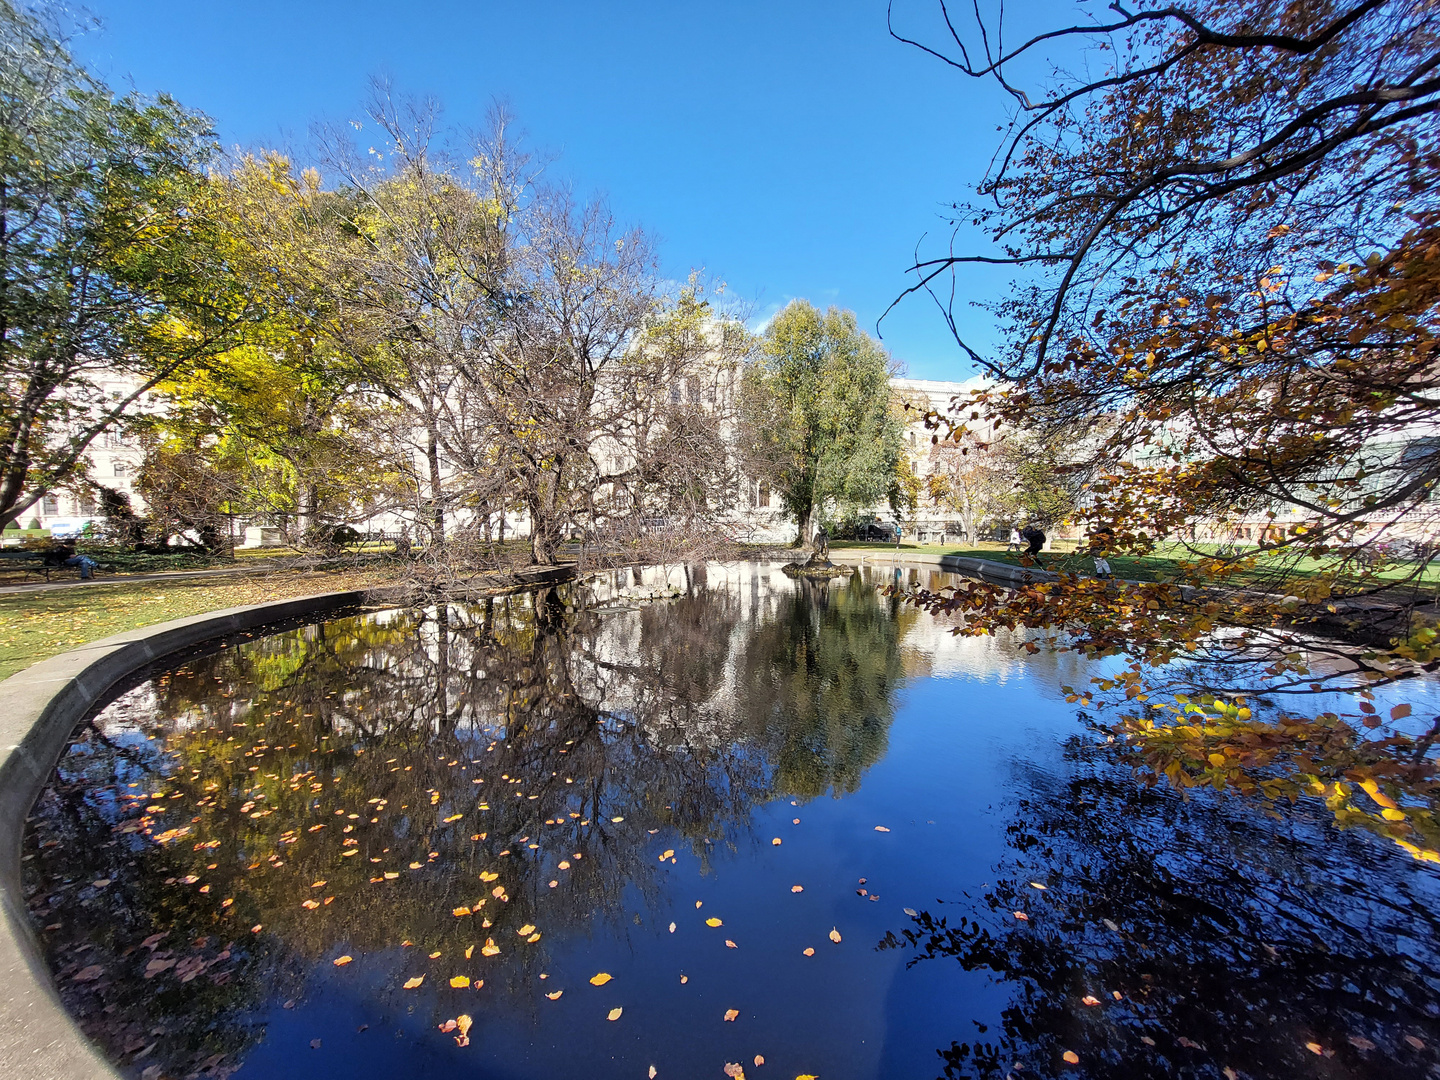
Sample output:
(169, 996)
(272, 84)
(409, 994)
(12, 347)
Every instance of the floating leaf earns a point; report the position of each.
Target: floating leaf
(526, 930)
(684, 979)
(411, 984)
(881, 828)
(1111, 925)
(488, 875)
(490, 948)
(614, 1014)
(797, 888)
(1037, 885)
(1022, 916)
(391, 875)
(435, 955)
(89, 974)
(341, 961)
(464, 1023)
(555, 996)
(600, 980)
(712, 921)
(1071, 1057)
(810, 952)
(311, 904)
(533, 938)
(731, 1014)
(448, 1026)
(459, 982)
(734, 1071)
(698, 903)
(616, 820)
(461, 912)
(1089, 1000)
(653, 1072)
(453, 817)
(730, 944)
(835, 935)
(672, 927)
(759, 1060)
(910, 911)
(667, 854)
(775, 842)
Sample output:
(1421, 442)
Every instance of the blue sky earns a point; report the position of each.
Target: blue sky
(791, 148)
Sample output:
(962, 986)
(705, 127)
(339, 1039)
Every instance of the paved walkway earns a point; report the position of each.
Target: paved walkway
(125, 579)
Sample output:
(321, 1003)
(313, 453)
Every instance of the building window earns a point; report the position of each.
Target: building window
(122, 468)
(675, 393)
(50, 506)
(764, 494)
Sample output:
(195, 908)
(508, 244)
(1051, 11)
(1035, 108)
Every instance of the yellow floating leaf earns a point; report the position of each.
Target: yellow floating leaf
(391, 875)
(435, 955)
(835, 935)
(807, 1076)
(776, 842)
(460, 982)
(414, 866)
(1037, 885)
(526, 930)
(311, 904)
(600, 980)
(490, 948)
(533, 938)
(347, 854)
(617, 820)
(666, 854)
(563, 865)
(488, 875)
(614, 1014)
(731, 1014)
(318, 884)
(411, 984)
(555, 996)
(453, 817)
(713, 922)
(341, 961)
(460, 912)
(464, 1023)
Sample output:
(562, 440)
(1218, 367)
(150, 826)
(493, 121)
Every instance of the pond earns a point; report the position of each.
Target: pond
(763, 828)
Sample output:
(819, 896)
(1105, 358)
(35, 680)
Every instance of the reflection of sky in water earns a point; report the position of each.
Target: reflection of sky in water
(713, 720)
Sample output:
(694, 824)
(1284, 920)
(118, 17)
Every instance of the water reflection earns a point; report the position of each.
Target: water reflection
(520, 794)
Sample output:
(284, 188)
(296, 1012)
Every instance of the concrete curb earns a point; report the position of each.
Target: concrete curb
(39, 708)
(1001, 573)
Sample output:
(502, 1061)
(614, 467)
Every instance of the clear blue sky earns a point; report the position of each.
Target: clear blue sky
(791, 147)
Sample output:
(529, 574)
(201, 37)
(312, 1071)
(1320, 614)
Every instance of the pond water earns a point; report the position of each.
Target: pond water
(795, 822)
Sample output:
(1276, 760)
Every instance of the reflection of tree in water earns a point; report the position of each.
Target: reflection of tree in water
(1238, 947)
(513, 758)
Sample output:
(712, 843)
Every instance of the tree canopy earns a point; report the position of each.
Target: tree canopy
(820, 425)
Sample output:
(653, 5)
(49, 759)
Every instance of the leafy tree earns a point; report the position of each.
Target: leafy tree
(107, 263)
(1231, 296)
(819, 424)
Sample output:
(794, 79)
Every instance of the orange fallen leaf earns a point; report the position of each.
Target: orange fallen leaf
(1022, 916)
(599, 980)
(730, 944)
(469, 951)
(311, 904)
(1071, 1057)
(411, 984)
(835, 935)
(759, 1060)
(461, 912)
(526, 930)
(490, 948)
(341, 961)
(460, 982)
(797, 888)
(614, 1014)
(809, 952)
(734, 1071)
(464, 1023)
(684, 979)
(1089, 999)
(555, 996)
(731, 1014)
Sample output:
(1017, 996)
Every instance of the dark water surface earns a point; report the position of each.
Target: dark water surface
(530, 795)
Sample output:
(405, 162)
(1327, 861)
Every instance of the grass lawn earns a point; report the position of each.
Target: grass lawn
(1164, 564)
(35, 625)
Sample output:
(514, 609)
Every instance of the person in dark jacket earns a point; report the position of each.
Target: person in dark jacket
(1034, 540)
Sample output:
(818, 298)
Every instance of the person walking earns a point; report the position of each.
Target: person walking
(1035, 540)
(1014, 544)
(1101, 540)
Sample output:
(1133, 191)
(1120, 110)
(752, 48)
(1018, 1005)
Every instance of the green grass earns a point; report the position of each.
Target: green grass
(1164, 564)
(39, 624)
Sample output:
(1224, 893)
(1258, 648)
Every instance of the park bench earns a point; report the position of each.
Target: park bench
(38, 562)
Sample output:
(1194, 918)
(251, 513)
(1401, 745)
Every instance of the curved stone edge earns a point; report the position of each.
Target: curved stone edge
(39, 708)
(1003, 573)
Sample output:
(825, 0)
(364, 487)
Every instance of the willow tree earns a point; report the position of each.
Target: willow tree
(818, 421)
(1231, 283)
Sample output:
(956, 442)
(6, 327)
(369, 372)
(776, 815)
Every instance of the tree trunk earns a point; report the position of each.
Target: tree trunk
(804, 517)
(437, 508)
